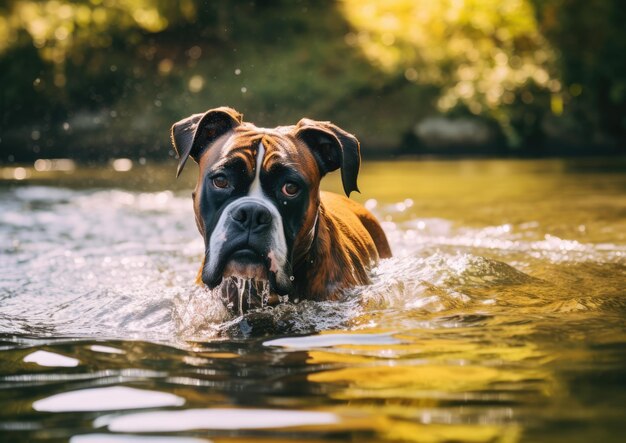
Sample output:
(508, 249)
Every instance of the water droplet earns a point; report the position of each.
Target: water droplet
(196, 83)
(195, 52)
(370, 204)
(122, 164)
(20, 173)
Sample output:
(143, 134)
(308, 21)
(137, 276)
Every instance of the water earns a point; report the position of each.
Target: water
(502, 316)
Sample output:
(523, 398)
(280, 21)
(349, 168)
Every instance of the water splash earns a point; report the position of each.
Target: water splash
(215, 311)
(118, 263)
(237, 289)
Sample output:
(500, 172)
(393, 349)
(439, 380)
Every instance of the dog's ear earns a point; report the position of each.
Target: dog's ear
(333, 148)
(192, 135)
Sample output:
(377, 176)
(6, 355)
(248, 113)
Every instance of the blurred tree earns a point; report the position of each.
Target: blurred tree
(95, 79)
(483, 55)
(591, 39)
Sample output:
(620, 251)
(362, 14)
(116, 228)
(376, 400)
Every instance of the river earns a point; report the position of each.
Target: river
(501, 317)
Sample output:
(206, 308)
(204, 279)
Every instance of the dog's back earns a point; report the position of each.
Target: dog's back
(362, 222)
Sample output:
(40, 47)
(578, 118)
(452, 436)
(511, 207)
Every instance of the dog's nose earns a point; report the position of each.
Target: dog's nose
(252, 216)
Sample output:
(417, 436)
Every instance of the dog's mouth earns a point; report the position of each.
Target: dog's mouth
(246, 282)
(246, 264)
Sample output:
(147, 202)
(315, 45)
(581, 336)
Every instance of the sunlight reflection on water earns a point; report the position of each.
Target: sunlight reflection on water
(120, 263)
(497, 330)
(106, 399)
(190, 419)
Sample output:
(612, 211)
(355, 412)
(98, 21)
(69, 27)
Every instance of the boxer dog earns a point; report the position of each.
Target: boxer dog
(263, 218)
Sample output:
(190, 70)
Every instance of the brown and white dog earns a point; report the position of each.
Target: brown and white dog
(261, 213)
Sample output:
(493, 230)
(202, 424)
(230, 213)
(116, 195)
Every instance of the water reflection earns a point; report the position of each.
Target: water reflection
(106, 349)
(329, 340)
(190, 419)
(499, 319)
(119, 438)
(106, 399)
(45, 358)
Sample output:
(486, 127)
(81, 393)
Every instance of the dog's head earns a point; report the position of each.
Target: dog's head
(257, 198)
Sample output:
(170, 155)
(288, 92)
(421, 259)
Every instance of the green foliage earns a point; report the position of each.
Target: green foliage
(591, 38)
(103, 78)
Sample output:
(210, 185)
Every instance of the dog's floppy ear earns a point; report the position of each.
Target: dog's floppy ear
(191, 135)
(333, 148)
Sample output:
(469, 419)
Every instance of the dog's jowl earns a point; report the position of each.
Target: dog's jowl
(268, 229)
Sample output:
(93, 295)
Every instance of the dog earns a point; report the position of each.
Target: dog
(263, 218)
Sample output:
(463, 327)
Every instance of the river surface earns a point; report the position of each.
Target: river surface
(501, 317)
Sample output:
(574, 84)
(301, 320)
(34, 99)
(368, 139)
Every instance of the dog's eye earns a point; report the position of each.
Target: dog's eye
(220, 181)
(290, 189)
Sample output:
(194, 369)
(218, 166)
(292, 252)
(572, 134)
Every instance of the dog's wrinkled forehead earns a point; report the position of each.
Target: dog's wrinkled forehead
(316, 147)
(279, 144)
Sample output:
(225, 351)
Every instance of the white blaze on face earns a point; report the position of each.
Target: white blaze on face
(278, 246)
(255, 187)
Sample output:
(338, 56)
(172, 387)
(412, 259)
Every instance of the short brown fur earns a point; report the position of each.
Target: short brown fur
(349, 242)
